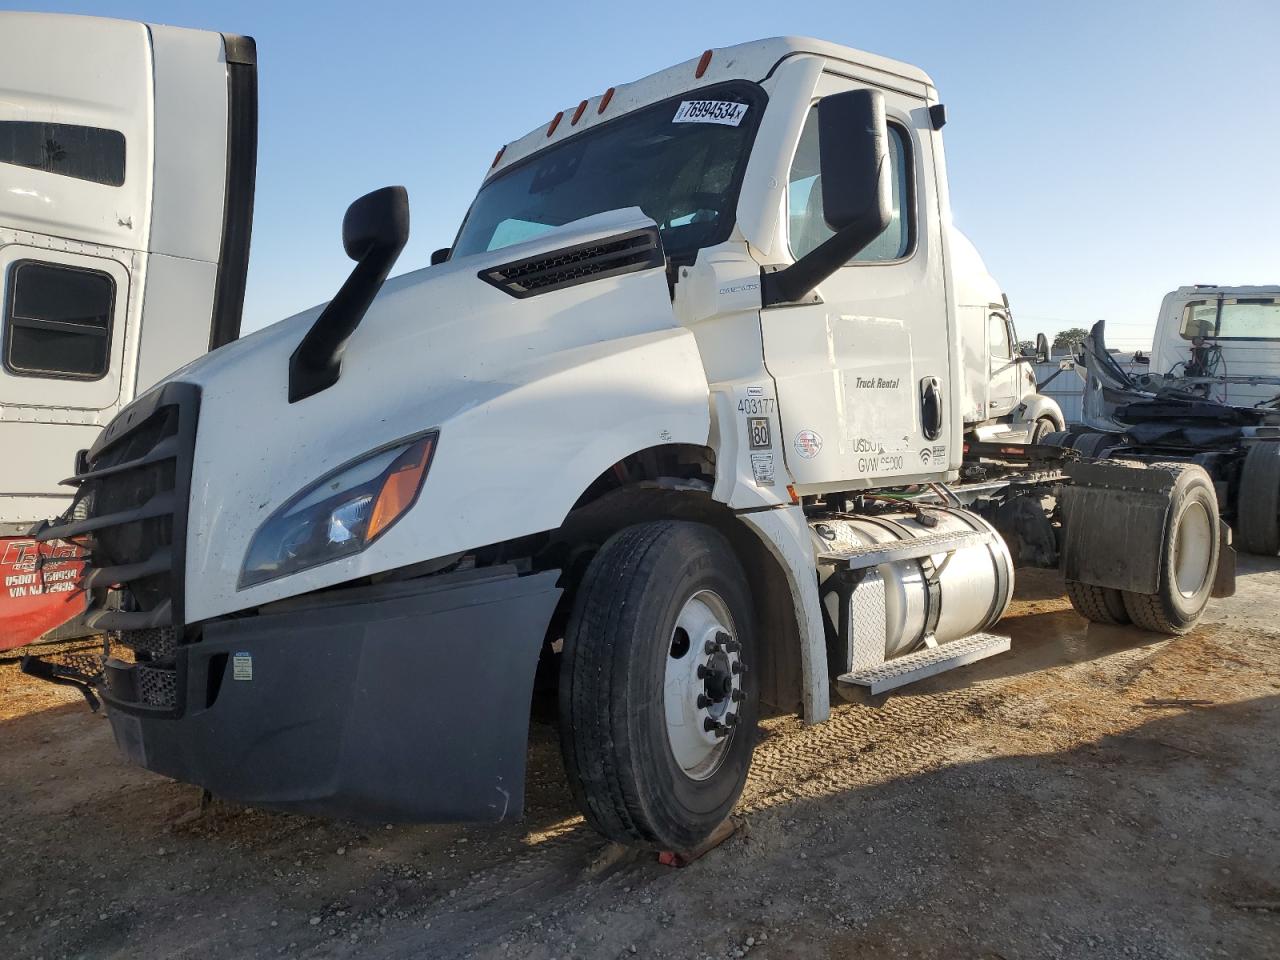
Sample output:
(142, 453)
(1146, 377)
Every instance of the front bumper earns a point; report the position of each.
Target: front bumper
(404, 701)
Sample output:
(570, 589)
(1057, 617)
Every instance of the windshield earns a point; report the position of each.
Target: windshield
(1232, 318)
(680, 161)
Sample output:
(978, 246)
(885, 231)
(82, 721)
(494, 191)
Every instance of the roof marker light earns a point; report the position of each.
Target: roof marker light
(577, 114)
(498, 156)
(555, 122)
(702, 65)
(604, 101)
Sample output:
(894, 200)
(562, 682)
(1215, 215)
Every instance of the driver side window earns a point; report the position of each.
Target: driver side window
(808, 226)
(999, 337)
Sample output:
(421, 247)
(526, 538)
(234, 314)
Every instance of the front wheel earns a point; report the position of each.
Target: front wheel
(657, 703)
(1043, 427)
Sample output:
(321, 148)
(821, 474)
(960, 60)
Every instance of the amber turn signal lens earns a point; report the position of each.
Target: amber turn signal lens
(400, 489)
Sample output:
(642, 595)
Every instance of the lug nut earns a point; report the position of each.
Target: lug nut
(738, 696)
(703, 701)
(711, 723)
(721, 732)
(730, 719)
(703, 672)
(710, 647)
(733, 646)
(738, 666)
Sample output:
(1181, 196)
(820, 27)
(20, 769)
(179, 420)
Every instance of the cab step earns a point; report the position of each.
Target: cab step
(925, 663)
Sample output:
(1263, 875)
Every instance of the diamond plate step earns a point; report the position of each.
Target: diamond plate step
(925, 663)
(874, 554)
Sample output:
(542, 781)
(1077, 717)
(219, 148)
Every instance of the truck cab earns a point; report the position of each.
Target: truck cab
(1226, 338)
(673, 418)
(128, 155)
(1002, 403)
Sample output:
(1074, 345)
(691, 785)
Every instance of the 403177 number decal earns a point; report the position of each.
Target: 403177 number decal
(751, 405)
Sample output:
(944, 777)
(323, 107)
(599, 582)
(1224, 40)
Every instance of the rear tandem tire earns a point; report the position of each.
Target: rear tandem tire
(1188, 556)
(641, 765)
(1097, 604)
(1258, 503)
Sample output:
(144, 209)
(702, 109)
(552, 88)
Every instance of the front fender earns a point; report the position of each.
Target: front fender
(1038, 405)
(510, 462)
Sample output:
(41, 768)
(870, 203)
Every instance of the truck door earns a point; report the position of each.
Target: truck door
(852, 364)
(1005, 370)
(127, 153)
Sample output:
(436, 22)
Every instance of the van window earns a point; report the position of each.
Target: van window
(1232, 318)
(57, 321)
(86, 153)
(808, 227)
(1199, 317)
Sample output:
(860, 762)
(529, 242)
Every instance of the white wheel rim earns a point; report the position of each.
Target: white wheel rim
(1192, 549)
(701, 711)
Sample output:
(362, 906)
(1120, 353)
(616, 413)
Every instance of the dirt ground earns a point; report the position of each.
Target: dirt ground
(1097, 792)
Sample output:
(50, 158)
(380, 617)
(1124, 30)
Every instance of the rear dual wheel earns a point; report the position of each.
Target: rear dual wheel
(657, 705)
(1258, 503)
(1188, 563)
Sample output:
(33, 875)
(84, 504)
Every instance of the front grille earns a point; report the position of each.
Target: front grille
(130, 516)
(626, 253)
(157, 686)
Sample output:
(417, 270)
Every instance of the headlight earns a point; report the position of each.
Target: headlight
(341, 513)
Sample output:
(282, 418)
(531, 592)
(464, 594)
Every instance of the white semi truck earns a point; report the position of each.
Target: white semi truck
(127, 156)
(677, 412)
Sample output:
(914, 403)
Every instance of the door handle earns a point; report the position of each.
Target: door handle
(931, 408)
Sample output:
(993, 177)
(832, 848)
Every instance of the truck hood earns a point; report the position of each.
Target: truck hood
(534, 397)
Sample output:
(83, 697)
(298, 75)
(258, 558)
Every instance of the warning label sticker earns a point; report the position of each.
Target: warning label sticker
(762, 469)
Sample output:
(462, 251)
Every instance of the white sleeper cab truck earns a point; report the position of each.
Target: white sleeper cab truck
(127, 157)
(677, 411)
(999, 390)
(1225, 341)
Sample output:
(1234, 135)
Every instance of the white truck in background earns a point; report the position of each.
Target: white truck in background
(1225, 340)
(680, 413)
(1002, 402)
(127, 153)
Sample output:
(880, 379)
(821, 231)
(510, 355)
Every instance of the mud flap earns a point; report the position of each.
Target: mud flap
(1114, 517)
(1224, 581)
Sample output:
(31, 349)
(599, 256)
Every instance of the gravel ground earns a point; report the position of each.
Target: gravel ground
(1097, 792)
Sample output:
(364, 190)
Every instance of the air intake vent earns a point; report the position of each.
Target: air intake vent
(557, 269)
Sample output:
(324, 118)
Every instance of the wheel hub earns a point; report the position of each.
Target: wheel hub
(703, 685)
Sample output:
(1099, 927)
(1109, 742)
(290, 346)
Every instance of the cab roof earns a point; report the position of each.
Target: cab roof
(754, 60)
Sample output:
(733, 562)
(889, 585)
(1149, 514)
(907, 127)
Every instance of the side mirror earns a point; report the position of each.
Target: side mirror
(441, 255)
(374, 231)
(1042, 348)
(853, 159)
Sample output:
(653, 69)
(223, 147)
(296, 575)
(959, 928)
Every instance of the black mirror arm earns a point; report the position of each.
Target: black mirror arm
(793, 283)
(317, 362)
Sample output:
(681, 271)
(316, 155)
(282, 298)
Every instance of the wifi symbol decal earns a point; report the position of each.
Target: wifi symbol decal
(924, 455)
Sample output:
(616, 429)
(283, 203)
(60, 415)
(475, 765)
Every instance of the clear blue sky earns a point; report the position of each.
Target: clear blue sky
(1100, 153)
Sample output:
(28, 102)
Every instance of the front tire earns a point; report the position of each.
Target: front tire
(658, 706)
(1043, 427)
